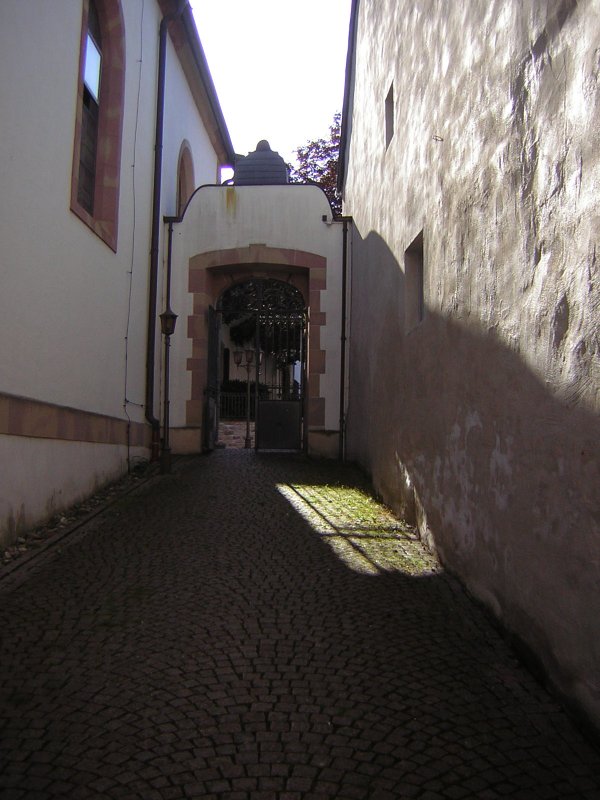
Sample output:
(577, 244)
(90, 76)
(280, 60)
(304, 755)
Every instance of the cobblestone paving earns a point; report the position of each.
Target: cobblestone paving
(253, 628)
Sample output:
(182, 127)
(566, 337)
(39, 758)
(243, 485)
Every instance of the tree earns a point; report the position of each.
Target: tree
(318, 161)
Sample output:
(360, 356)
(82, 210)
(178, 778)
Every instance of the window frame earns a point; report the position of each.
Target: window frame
(103, 217)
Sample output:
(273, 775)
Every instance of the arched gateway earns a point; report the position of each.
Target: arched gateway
(258, 266)
(261, 278)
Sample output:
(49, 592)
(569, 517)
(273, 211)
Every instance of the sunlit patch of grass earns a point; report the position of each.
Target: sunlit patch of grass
(362, 532)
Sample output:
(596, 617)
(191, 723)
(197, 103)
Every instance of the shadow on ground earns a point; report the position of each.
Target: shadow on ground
(257, 627)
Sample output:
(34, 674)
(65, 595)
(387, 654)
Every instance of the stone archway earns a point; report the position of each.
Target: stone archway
(212, 272)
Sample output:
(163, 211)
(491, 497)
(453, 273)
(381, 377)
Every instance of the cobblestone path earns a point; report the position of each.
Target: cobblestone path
(252, 628)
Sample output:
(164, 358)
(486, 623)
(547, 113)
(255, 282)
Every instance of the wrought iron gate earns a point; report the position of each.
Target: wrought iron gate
(271, 315)
(211, 397)
(281, 334)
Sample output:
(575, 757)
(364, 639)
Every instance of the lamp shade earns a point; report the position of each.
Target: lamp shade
(167, 322)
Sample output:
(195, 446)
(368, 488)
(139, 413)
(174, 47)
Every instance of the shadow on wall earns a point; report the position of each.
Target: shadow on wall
(501, 475)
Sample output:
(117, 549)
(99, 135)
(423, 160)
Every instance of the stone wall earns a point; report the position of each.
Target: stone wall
(478, 414)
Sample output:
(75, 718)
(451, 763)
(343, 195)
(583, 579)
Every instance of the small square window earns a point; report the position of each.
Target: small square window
(414, 297)
(389, 116)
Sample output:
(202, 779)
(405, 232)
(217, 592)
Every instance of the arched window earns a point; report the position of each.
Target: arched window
(185, 177)
(99, 120)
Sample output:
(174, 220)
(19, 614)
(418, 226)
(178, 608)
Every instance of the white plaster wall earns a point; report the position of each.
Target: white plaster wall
(183, 123)
(65, 293)
(73, 313)
(277, 216)
(63, 472)
(64, 303)
(488, 410)
(137, 170)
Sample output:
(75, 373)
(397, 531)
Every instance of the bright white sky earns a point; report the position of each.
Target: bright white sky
(278, 67)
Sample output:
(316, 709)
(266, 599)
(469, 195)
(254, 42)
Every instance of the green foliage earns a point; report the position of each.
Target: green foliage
(318, 162)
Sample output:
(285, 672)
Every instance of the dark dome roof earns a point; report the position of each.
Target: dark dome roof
(263, 166)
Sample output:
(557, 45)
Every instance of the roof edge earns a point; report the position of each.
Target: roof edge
(347, 107)
(193, 39)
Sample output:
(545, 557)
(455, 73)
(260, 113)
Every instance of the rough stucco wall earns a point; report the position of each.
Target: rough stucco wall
(483, 420)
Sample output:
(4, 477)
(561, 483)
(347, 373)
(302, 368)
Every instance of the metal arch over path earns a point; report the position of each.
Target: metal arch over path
(271, 315)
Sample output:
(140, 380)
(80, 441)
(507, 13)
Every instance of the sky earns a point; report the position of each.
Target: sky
(278, 67)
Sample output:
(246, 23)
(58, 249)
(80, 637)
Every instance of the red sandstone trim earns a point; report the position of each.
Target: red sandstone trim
(104, 220)
(35, 419)
(259, 254)
(212, 272)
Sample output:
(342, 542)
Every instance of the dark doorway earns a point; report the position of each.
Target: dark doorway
(265, 323)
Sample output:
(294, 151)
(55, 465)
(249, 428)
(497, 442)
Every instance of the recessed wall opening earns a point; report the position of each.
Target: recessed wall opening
(264, 325)
(414, 298)
(99, 117)
(185, 177)
(389, 116)
(92, 70)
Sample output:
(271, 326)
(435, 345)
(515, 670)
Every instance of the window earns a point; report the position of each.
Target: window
(414, 298)
(185, 177)
(389, 116)
(98, 127)
(92, 72)
(93, 57)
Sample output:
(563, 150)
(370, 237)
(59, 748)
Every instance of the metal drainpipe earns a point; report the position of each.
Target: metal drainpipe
(342, 443)
(152, 294)
(166, 449)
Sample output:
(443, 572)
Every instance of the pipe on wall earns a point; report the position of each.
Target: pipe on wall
(165, 457)
(342, 441)
(155, 235)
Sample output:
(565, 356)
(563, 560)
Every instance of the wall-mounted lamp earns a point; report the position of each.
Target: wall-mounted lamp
(167, 326)
(168, 319)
